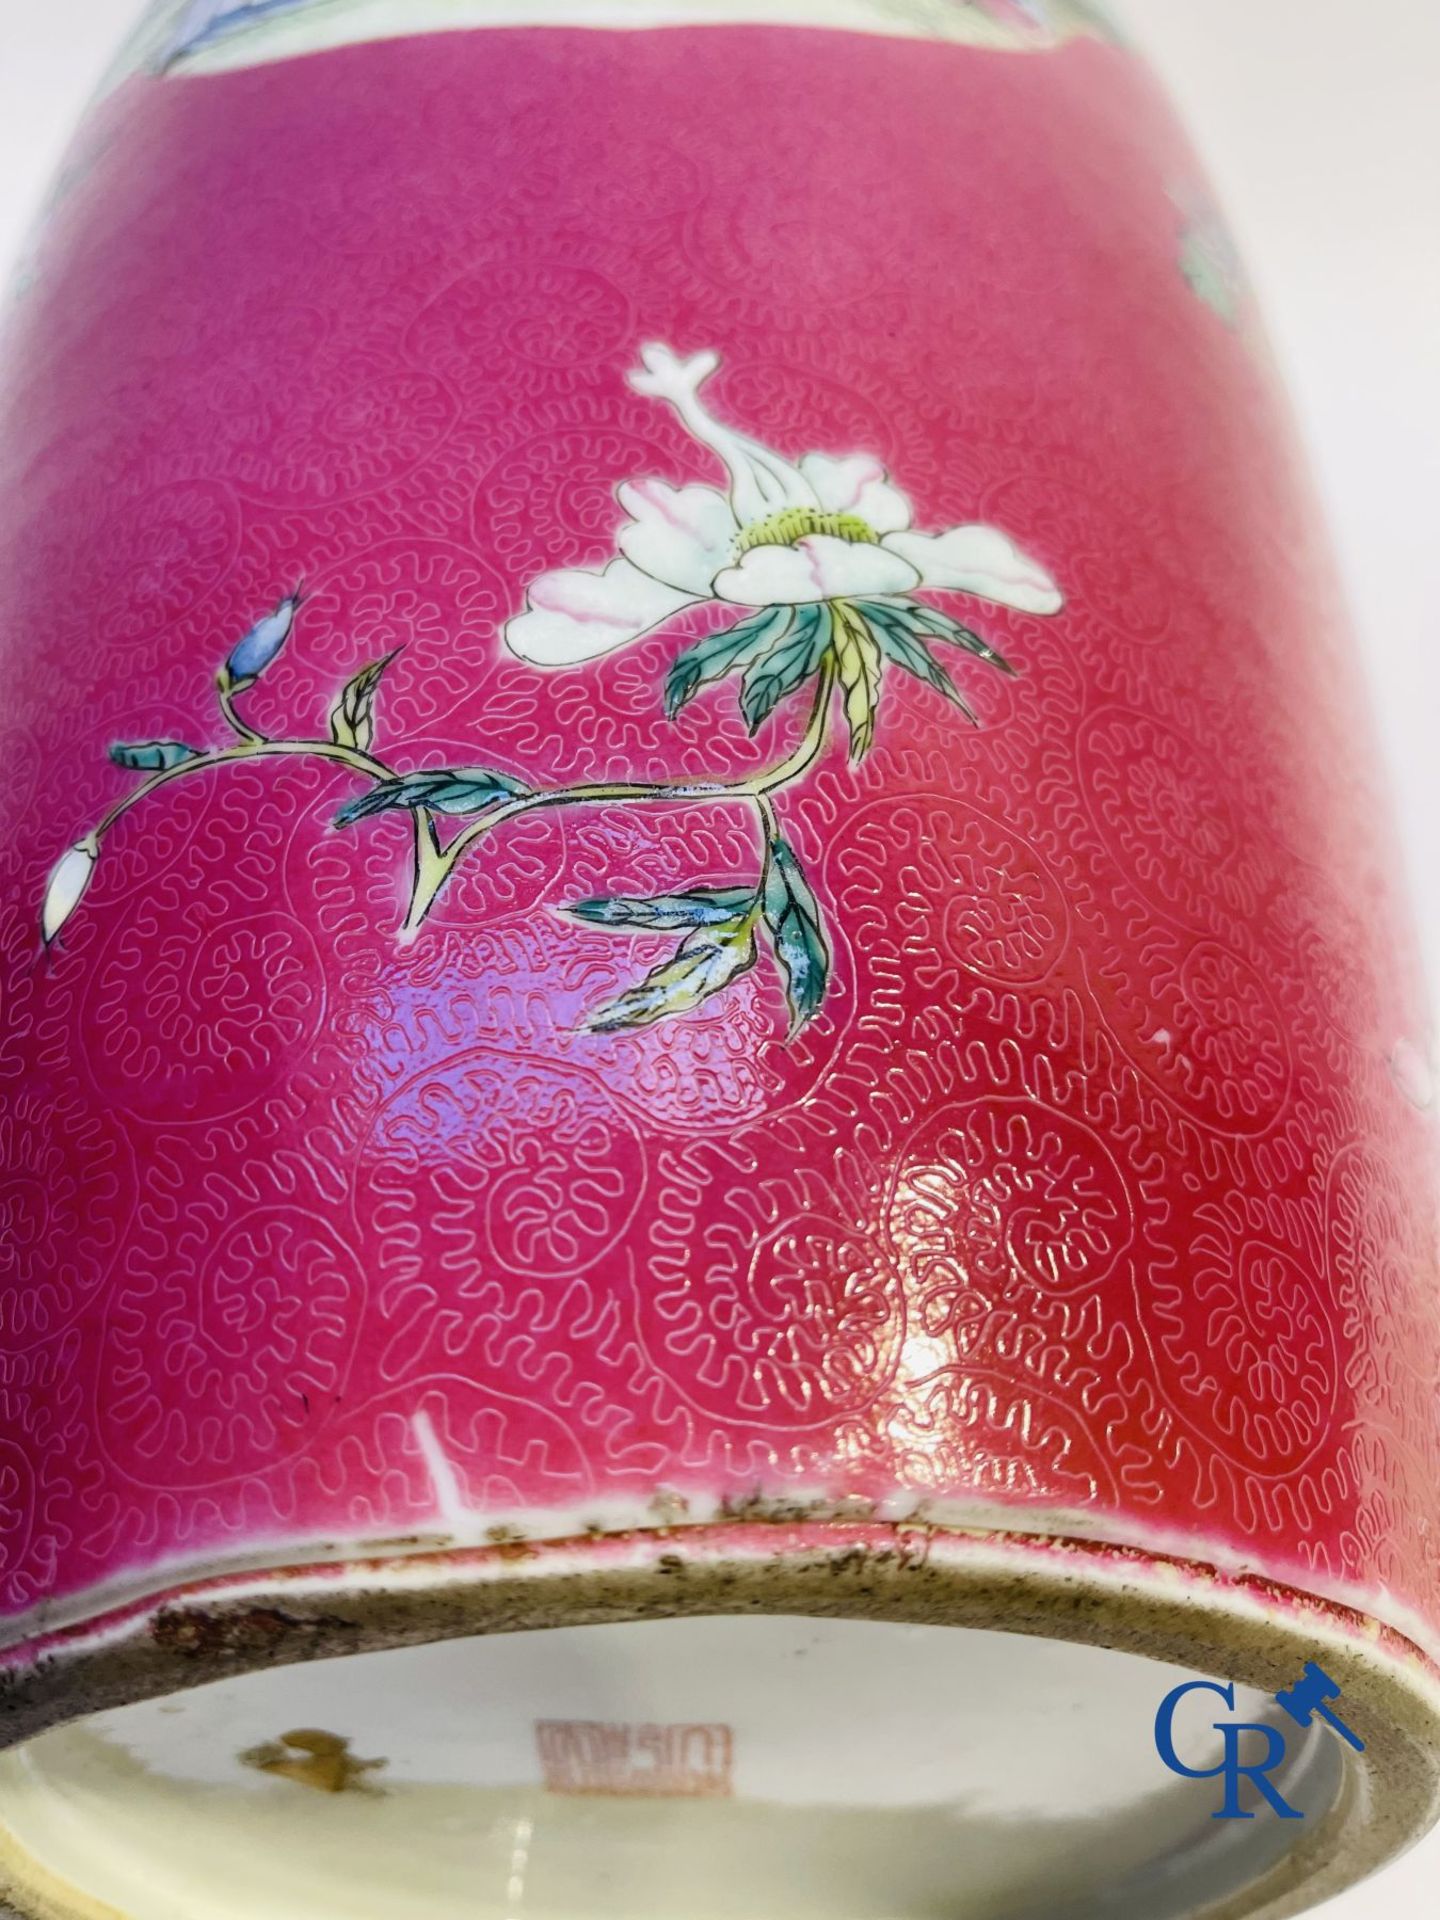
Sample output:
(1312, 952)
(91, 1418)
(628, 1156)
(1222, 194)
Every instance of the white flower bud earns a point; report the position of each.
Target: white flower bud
(68, 881)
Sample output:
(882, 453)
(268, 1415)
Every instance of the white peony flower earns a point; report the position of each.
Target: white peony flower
(783, 534)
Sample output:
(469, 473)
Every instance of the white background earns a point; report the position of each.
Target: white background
(1320, 121)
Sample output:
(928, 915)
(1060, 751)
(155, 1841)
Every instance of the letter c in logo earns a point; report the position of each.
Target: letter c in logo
(1165, 1727)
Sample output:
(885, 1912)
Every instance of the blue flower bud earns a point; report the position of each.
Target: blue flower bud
(204, 21)
(254, 653)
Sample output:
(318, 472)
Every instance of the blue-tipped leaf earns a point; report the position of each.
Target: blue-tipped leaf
(939, 626)
(797, 932)
(704, 963)
(457, 790)
(786, 664)
(908, 650)
(152, 756)
(666, 912)
(718, 654)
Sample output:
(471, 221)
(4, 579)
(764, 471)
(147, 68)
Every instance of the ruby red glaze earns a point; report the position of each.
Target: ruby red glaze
(1092, 1191)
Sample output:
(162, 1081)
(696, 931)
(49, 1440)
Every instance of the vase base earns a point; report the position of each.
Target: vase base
(720, 1767)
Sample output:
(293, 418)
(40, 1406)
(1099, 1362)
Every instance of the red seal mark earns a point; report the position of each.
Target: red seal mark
(685, 1761)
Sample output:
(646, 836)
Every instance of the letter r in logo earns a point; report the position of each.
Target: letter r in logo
(1231, 1765)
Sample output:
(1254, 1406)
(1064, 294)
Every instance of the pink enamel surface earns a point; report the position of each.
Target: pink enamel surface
(1095, 1186)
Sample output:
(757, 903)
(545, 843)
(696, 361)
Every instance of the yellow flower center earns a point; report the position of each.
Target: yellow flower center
(792, 524)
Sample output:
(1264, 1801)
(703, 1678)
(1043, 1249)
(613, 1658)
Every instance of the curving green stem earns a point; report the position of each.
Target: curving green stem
(257, 748)
(225, 692)
(254, 746)
(754, 787)
(433, 863)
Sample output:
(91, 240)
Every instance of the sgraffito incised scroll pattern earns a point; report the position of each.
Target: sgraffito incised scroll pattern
(1095, 1180)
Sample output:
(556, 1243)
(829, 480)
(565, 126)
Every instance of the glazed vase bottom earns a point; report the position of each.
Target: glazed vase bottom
(722, 1768)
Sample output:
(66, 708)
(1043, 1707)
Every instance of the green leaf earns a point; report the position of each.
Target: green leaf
(352, 718)
(940, 626)
(890, 615)
(666, 912)
(792, 919)
(1094, 16)
(444, 789)
(908, 650)
(859, 668)
(152, 756)
(717, 654)
(1212, 270)
(787, 664)
(704, 963)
